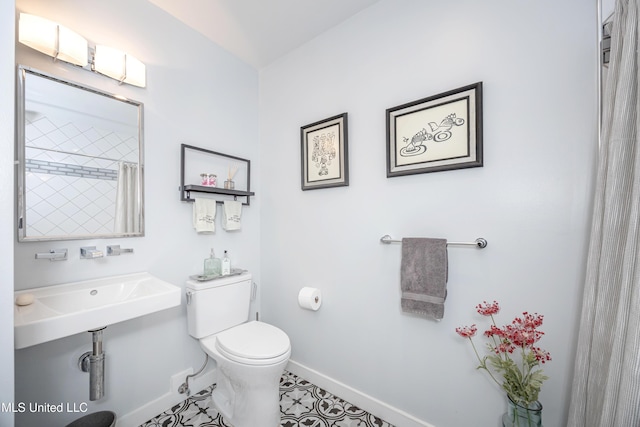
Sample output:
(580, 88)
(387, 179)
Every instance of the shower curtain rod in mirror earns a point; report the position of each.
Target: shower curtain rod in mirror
(77, 154)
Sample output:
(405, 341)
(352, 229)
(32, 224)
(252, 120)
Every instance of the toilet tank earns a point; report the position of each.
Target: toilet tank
(219, 304)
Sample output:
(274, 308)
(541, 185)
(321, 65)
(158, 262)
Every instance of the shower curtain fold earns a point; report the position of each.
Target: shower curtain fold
(127, 216)
(606, 384)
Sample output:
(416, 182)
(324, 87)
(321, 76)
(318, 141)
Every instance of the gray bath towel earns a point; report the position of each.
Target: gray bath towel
(423, 276)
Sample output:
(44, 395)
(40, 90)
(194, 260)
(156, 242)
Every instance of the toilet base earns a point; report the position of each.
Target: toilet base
(247, 376)
(245, 403)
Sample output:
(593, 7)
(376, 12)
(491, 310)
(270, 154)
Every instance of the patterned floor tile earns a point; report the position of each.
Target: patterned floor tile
(302, 404)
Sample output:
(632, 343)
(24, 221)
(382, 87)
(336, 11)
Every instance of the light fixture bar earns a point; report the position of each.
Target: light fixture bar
(61, 43)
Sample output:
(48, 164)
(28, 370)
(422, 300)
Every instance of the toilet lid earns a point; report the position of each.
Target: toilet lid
(253, 340)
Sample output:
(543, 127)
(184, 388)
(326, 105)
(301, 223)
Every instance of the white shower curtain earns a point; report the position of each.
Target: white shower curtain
(606, 384)
(127, 218)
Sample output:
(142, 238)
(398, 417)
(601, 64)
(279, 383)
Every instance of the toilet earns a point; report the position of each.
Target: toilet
(250, 355)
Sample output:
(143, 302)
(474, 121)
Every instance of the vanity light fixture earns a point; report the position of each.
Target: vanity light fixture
(53, 39)
(119, 66)
(61, 43)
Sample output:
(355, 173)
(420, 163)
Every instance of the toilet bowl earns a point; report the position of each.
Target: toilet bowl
(250, 360)
(250, 356)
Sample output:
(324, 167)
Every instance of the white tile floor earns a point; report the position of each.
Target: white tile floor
(302, 404)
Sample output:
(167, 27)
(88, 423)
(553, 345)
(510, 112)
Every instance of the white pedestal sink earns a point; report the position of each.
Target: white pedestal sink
(62, 310)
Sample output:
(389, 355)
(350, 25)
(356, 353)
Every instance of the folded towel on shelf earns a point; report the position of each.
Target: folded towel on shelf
(232, 213)
(423, 276)
(204, 215)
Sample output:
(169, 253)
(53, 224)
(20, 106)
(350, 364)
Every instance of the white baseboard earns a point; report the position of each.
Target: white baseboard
(370, 404)
(167, 400)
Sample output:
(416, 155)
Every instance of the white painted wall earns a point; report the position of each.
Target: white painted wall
(7, 236)
(198, 94)
(531, 200)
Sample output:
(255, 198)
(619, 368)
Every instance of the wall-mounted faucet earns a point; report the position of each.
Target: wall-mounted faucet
(53, 255)
(90, 252)
(113, 250)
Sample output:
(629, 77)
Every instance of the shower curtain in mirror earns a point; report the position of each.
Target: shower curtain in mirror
(127, 218)
(606, 384)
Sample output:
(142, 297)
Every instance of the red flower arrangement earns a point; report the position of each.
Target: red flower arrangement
(520, 380)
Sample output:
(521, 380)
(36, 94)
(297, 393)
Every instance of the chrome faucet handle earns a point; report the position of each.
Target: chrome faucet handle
(90, 252)
(114, 250)
(53, 255)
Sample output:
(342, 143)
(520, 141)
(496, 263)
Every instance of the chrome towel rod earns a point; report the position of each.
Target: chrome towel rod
(480, 242)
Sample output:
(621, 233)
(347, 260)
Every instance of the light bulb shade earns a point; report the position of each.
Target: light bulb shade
(110, 62)
(72, 47)
(52, 39)
(136, 72)
(38, 33)
(120, 66)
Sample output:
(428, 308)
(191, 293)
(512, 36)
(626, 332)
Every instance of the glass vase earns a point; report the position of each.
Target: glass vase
(520, 416)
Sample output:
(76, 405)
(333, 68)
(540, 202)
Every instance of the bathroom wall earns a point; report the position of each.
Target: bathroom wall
(197, 94)
(531, 200)
(7, 235)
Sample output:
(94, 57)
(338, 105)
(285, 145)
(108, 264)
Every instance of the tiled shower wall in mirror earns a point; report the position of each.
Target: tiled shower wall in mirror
(71, 175)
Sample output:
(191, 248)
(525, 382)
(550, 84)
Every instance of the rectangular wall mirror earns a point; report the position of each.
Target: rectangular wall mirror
(80, 161)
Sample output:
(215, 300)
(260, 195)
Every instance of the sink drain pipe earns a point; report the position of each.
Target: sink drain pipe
(93, 362)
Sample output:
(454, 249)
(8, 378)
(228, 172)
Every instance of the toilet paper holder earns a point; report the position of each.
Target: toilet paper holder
(309, 298)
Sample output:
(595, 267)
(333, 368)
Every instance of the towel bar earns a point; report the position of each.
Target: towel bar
(480, 242)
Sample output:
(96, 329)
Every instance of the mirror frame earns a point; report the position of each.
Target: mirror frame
(21, 157)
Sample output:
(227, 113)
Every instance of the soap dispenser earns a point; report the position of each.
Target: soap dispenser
(226, 264)
(212, 265)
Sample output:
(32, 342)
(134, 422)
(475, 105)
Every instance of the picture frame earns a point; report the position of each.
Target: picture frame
(324, 153)
(438, 133)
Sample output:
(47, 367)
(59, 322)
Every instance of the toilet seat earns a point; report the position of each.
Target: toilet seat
(254, 343)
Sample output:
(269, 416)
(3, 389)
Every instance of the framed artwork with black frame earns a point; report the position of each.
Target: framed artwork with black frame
(438, 133)
(324, 151)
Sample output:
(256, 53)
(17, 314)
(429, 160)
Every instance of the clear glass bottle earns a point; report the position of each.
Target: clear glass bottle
(212, 265)
(226, 264)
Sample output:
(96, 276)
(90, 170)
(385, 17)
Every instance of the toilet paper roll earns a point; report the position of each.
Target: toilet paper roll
(310, 298)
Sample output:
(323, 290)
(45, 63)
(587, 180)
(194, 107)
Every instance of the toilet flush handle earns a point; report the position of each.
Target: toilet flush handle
(189, 295)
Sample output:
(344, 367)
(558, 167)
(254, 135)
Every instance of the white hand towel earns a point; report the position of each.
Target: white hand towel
(232, 214)
(204, 215)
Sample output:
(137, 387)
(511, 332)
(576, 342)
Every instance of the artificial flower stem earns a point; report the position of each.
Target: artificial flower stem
(493, 320)
(483, 363)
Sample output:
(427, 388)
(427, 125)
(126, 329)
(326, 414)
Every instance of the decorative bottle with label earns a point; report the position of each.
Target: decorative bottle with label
(212, 265)
(226, 264)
